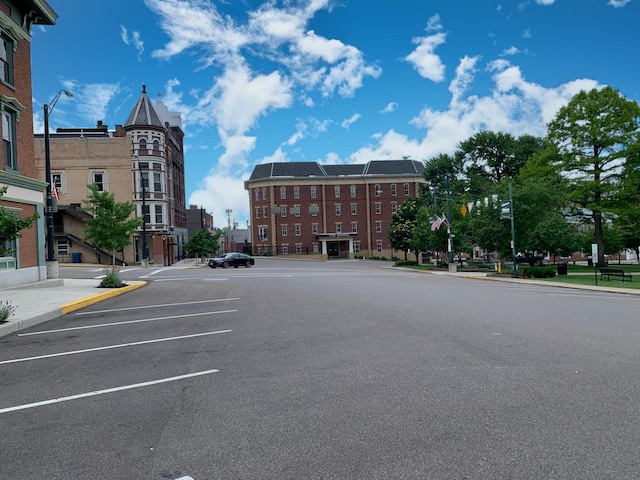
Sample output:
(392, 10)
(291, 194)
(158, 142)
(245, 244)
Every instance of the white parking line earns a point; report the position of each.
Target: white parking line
(157, 305)
(113, 324)
(110, 347)
(102, 392)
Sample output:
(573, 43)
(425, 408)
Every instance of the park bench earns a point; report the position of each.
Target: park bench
(614, 272)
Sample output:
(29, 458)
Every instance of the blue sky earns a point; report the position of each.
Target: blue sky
(333, 81)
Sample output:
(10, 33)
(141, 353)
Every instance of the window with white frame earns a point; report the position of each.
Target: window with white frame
(379, 246)
(394, 207)
(159, 217)
(157, 183)
(354, 209)
(296, 192)
(257, 194)
(314, 248)
(9, 118)
(156, 147)
(394, 190)
(283, 211)
(7, 44)
(283, 228)
(353, 191)
(354, 227)
(338, 209)
(378, 190)
(314, 209)
(356, 247)
(314, 228)
(378, 208)
(57, 181)
(257, 212)
(62, 247)
(283, 193)
(338, 227)
(262, 232)
(378, 227)
(313, 192)
(298, 248)
(336, 191)
(100, 179)
(264, 193)
(264, 212)
(298, 228)
(285, 249)
(146, 212)
(406, 189)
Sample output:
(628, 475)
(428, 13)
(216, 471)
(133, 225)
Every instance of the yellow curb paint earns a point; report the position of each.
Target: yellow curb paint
(85, 302)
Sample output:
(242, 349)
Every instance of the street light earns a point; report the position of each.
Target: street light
(144, 261)
(48, 108)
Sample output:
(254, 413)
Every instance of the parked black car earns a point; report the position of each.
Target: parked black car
(232, 260)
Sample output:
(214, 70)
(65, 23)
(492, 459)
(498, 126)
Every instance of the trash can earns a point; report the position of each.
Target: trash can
(76, 257)
(563, 267)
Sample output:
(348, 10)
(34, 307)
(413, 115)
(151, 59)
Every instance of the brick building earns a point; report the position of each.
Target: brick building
(25, 193)
(328, 211)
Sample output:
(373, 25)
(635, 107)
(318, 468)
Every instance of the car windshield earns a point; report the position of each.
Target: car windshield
(227, 255)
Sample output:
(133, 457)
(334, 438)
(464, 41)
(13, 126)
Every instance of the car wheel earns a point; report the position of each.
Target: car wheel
(225, 264)
(235, 265)
(248, 264)
(212, 265)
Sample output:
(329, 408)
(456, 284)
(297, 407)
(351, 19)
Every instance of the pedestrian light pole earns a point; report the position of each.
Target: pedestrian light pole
(144, 261)
(52, 270)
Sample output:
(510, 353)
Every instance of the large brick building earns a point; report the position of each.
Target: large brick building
(328, 211)
(24, 197)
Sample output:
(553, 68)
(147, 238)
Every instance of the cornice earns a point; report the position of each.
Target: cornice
(18, 180)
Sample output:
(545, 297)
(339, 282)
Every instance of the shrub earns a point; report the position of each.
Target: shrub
(111, 280)
(402, 263)
(6, 310)
(540, 272)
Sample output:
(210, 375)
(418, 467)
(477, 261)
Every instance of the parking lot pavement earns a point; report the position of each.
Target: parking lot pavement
(43, 301)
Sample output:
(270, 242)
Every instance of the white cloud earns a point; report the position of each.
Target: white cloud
(618, 3)
(346, 123)
(545, 2)
(134, 40)
(423, 58)
(92, 100)
(391, 107)
(220, 192)
(510, 51)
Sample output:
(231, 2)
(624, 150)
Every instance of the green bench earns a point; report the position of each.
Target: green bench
(616, 273)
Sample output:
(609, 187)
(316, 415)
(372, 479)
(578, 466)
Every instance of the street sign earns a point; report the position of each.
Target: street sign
(505, 209)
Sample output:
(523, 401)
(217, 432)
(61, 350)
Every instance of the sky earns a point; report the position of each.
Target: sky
(328, 81)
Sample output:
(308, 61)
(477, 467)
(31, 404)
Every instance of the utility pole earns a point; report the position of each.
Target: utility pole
(452, 265)
(228, 211)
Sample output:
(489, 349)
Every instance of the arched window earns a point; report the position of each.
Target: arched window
(264, 193)
(378, 190)
(156, 145)
(337, 191)
(393, 190)
(142, 145)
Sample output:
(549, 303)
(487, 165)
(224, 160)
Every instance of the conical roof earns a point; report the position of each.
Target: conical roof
(143, 114)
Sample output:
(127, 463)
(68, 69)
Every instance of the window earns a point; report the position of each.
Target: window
(356, 247)
(394, 190)
(354, 227)
(338, 227)
(257, 195)
(313, 192)
(264, 194)
(378, 227)
(354, 209)
(353, 191)
(336, 191)
(257, 211)
(315, 248)
(142, 144)
(57, 181)
(379, 246)
(63, 247)
(159, 218)
(157, 166)
(283, 193)
(6, 57)
(264, 212)
(314, 228)
(262, 233)
(296, 192)
(285, 249)
(9, 139)
(298, 230)
(99, 179)
(259, 250)
(406, 189)
(314, 209)
(146, 213)
(378, 190)
(144, 178)
(283, 211)
(378, 208)
(157, 184)
(156, 147)
(298, 248)
(338, 210)
(284, 230)
(394, 207)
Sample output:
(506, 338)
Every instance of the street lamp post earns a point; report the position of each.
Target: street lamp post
(144, 261)
(52, 264)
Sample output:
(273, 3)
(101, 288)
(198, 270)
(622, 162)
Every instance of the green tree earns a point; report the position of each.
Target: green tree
(202, 242)
(110, 227)
(11, 225)
(595, 134)
(403, 223)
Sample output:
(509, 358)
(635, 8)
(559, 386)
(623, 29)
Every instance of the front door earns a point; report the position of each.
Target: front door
(333, 250)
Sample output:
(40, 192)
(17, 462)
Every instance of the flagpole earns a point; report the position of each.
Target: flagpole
(452, 266)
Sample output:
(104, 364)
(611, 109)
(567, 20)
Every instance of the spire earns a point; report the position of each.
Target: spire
(143, 113)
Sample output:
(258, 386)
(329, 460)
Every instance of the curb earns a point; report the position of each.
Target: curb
(98, 297)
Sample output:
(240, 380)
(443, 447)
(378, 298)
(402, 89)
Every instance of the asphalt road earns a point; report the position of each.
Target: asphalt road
(336, 370)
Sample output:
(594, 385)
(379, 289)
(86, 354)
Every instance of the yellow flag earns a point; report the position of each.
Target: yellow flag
(463, 210)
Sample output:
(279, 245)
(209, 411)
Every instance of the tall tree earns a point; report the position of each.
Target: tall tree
(595, 133)
(202, 242)
(111, 225)
(403, 223)
(11, 225)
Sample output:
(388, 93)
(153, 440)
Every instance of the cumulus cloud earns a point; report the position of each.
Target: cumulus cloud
(391, 107)
(134, 40)
(618, 3)
(423, 58)
(346, 123)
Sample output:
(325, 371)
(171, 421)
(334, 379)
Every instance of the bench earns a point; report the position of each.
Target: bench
(614, 272)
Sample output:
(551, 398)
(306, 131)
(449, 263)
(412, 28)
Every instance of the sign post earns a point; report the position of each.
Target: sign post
(594, 255)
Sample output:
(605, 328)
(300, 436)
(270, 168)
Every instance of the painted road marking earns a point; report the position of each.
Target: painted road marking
(110, 347)
(102, 392)
(156, 306)
(123, 323)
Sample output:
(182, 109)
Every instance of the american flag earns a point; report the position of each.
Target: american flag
(212, 230)
(435, 225)
(54, 190)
